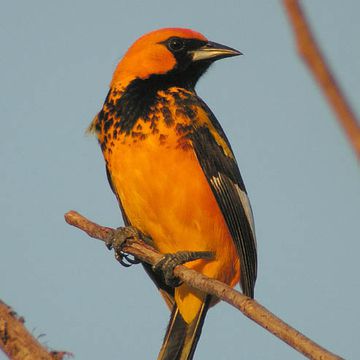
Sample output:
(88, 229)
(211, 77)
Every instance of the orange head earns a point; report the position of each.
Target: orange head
(176, 52)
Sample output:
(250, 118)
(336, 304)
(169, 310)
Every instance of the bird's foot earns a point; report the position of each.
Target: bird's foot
(117, 242)
(168, 262)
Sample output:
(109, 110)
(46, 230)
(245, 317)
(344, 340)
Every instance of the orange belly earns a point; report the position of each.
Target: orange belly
(165, 194)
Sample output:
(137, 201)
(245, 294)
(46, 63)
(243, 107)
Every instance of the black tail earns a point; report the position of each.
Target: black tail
(181, 338)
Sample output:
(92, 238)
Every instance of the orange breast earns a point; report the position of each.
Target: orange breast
(165, 194)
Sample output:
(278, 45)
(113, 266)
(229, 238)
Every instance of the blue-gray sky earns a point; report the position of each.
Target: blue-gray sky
(56, 62)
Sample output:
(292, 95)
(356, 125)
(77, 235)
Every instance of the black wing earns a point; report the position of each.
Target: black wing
(224, 178)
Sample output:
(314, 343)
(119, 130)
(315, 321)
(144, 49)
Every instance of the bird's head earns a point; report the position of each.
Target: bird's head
(180, 54)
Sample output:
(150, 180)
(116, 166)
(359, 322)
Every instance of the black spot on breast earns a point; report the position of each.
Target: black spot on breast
(184, 132)
(185, 111)
(98, 124)
(108, 123)
(162, 138)
(182, 129)
(167, 116)
(138, 135)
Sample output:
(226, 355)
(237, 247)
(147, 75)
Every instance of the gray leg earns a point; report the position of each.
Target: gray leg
(168, 262)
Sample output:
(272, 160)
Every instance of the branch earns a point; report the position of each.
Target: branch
(251, 308)
(17, 343)
(312, 56)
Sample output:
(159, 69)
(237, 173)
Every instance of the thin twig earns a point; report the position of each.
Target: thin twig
(251, 308)
(17, 343)
(312, 56)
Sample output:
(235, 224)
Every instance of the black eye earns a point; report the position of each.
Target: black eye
(176, 44)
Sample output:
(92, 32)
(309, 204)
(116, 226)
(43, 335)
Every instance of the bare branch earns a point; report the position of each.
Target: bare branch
(251, 308)
(17, 343)
(312, 56)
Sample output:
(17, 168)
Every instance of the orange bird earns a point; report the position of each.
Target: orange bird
(175, 176)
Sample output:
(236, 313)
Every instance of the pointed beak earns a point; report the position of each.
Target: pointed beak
(213, 51)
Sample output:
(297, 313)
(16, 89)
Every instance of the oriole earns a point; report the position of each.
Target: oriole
(174, 174)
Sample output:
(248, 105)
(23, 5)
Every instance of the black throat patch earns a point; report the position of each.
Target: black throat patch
(141, 95)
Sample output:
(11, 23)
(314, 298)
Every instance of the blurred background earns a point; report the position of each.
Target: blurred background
(56, 62)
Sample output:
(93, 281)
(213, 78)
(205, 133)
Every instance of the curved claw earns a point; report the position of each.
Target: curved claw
(123, 263)
(117, 243)
(121, 258)
(132, 260)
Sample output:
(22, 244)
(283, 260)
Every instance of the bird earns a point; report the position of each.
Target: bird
(175, 176)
